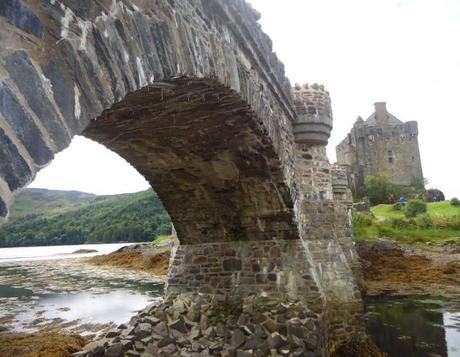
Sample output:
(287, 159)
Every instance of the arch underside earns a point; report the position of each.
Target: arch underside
(208, 157)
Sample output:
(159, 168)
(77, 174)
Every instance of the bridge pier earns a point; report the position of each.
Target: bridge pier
(324, 221)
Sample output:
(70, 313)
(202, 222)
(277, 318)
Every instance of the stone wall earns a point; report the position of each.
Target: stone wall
(234, 270)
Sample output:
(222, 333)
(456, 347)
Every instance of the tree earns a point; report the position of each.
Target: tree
(377, 188)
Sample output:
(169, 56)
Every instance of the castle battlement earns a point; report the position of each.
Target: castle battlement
(314, 114)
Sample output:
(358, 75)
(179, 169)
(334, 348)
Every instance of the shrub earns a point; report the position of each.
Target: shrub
(362, 219)
(424, 221)
(414, 207)
(399, 223)
(377, 188)
(455, 201)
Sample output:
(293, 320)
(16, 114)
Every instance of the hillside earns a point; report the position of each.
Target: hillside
(46, 217)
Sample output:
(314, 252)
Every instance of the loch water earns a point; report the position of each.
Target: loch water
(52, 288)
(415, 326)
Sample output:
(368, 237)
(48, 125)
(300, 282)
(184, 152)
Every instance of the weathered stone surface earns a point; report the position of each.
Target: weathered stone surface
(29, 83)
(13, 168)
(20, 15)
(23, 126)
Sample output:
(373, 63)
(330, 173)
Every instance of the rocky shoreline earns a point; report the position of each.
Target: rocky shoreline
(390, 269)
(194, 325)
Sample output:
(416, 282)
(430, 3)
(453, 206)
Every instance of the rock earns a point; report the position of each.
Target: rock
(132, 353)
(95, 349)
(161, 329)
(112, 333)
(241, 353)
(84, 251)
(271, 325)
(311, 341)
(178, 325)
(79, 354)
(220, 329)
(152, 348)
(147, 340)
(139, 346)
(152, 320)
(238, 339)
(169, 349)
(275, 341)
(127, 344)
(115, 350)
(166, 341)
(252, 343)
(143, 330)
(210, 332)
(128, 331)
(195, 333)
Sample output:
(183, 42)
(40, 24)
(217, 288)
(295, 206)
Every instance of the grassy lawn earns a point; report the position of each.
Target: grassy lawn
(443, 223)
(433, 209)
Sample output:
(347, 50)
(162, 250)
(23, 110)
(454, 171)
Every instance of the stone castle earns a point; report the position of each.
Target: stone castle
(382, 143)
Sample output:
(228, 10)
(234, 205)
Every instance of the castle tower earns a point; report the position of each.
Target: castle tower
(322, 211)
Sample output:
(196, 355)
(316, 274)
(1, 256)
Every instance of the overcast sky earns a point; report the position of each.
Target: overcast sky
(404, 52)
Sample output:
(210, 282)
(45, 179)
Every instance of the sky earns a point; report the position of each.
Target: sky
(403, 52)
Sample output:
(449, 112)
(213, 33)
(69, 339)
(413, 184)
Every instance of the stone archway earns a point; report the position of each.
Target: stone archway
(191, 94)
(207, 156)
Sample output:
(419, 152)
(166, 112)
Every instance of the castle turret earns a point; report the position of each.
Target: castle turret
(314, 114)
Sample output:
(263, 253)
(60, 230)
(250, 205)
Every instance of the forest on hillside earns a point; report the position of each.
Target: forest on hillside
(43, 217)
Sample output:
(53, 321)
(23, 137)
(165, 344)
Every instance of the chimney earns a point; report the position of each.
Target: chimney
(381, 114)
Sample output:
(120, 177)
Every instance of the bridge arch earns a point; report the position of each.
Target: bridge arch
(189, 93)
(192, 95)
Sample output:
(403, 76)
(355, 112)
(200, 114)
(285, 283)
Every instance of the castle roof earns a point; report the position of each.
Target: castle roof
(392, 120)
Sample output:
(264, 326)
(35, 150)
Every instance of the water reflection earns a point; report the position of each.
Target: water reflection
(112, 307)
(413, 327)
(69, 293)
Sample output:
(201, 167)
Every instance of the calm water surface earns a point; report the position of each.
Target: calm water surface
(415, 327)
(51, 288)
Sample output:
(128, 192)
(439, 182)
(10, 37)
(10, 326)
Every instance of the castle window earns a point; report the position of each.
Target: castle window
(390, 156)
(312, 110)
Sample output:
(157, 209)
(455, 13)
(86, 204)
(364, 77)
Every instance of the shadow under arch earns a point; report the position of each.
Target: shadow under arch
(208, 157)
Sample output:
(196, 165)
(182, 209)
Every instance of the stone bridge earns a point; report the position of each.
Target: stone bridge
(190, 93)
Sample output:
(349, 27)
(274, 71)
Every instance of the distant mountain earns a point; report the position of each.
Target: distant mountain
(49, 217)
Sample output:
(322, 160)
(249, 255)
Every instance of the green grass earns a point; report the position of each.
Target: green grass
(433, 209)
(389, 223)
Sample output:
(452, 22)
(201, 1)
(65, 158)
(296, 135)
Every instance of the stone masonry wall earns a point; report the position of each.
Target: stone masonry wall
(326, 231)
(236, 269)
